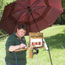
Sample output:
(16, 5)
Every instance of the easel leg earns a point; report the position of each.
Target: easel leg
(37, 59)
(50, 55)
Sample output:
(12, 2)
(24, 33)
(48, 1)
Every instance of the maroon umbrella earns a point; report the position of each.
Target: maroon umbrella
(36, 14)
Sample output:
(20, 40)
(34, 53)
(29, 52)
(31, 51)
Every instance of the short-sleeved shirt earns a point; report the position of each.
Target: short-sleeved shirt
(10, 56)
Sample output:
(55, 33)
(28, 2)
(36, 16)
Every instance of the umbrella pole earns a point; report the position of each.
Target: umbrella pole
(50, 55)
(48, 46)
(30, 11)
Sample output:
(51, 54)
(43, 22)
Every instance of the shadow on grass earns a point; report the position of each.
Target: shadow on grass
(56, 41)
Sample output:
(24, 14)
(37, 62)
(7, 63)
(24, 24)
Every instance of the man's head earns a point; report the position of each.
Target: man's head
(21, 30)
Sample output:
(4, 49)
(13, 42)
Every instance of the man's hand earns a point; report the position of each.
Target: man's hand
(22, 45)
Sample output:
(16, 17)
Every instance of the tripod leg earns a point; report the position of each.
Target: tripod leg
(37, 51)
(48, 49)
(37, 59)
(50, 55)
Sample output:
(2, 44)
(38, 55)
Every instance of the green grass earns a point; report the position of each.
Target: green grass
(55, 38)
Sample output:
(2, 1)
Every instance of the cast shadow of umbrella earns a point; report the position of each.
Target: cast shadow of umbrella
(56, 41)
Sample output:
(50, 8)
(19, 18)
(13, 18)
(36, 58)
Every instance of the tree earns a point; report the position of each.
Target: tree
(1, 7)
(63, 4)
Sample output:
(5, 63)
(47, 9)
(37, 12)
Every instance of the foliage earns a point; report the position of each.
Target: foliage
(63, 3)
(61, 19)
(3, 3)
(1, 7)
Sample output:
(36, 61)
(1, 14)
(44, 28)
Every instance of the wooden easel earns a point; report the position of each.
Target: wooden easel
(34, 36)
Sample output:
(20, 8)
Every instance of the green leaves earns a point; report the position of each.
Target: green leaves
(63, 3)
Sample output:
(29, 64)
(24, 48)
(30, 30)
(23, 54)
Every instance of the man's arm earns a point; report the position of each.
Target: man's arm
(13, 48)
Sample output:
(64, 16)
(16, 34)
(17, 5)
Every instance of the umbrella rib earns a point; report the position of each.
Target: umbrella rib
(36, 13)
(35, 22)
(47, 3)
(45, 12)
(38, 7)
(20, 14)
(21, 6)
(19, 11)
(36, 2)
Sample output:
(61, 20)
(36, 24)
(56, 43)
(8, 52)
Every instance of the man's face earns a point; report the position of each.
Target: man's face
(21, 32)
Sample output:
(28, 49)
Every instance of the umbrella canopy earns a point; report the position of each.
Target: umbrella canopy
(36, 14)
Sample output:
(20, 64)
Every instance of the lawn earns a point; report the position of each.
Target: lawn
(55, 38)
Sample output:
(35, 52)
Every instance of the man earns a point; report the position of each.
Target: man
(16, 41)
